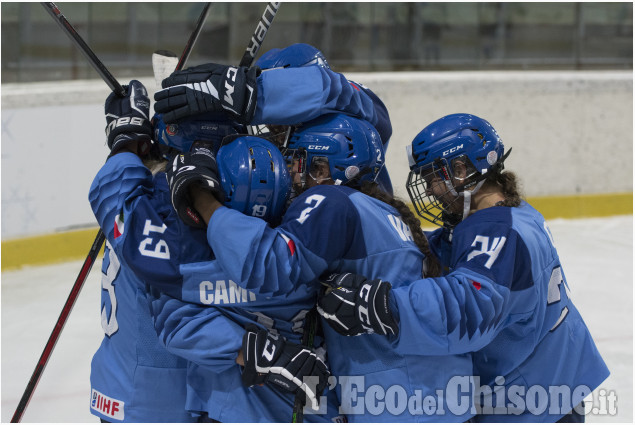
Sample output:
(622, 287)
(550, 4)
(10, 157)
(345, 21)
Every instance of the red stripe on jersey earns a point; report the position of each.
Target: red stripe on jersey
(476, 285)
(354, 86)
(117, 231)
(290, 244)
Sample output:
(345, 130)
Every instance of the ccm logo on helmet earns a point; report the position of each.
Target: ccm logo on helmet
(454, 149)
(319, 148)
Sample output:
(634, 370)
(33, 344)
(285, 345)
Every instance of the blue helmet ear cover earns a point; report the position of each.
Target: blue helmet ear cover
(293, 56)
(254, 177)
(207, 128)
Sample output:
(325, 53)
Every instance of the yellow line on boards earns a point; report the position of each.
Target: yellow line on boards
(74, 245)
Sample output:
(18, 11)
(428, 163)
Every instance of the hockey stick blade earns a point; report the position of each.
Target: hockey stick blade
(259, 35)
(164, 63)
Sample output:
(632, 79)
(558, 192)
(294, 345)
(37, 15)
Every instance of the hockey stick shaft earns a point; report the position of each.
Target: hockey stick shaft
(193, 37)
(310, 328)
(59, 326)
(100, 238)
(68, 29)
(114, 85)
(259, 35)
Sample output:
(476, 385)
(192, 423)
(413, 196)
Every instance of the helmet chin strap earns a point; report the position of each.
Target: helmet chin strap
(320, 180)
(466, 195)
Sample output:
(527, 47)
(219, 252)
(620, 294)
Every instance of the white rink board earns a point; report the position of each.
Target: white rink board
(597, 255)
(571, 133)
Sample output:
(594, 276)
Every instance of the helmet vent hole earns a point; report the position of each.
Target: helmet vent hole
(273, 166)
(253, 163)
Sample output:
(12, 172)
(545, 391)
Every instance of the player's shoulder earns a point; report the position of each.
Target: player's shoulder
(331, 193)
(328, 202)
(489, 222)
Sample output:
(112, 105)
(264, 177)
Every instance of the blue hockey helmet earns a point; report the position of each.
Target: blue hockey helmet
(294, 56)
(254, 177)
(449, 161)
(207, 128)
(352, 148)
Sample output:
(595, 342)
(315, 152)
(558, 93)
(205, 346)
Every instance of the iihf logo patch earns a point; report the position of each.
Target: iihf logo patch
(351, 171)
(107, 406)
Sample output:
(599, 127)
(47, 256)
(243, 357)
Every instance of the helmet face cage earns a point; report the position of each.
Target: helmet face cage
(276, 134)
(448, 159)
(433, 194)
(254, 178)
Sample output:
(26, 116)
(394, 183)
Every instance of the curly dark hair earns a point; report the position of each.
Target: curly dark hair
(508, 184)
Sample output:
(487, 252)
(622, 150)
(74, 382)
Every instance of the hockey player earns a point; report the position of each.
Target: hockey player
(148, 243)
(505, 297)
(296, 85)
(332, 225)
(130, 356)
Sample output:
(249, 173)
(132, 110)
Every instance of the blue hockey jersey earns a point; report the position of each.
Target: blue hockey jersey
(198, 312)
(133, 377)
(506, 299)
(339, 229)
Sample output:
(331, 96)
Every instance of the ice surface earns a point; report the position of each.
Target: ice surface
(597, 255)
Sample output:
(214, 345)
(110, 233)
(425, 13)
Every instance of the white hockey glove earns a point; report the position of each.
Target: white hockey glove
(272, 360)
(353, 305)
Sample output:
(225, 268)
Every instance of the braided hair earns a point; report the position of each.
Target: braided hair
(433, 265)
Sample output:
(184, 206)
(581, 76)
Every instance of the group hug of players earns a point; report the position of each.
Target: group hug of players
(258, 268)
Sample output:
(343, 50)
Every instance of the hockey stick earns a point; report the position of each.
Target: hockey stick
(68, 29)
(310, 322)
(193, 37)
(114, 85)
(99, 239)
(164, 62)
(257, 38)
(259, 35)
(59, 326)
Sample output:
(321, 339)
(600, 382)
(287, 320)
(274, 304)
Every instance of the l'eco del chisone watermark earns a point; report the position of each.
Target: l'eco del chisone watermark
(465, 394)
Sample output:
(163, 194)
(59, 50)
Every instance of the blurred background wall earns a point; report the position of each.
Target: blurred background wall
(354, 36)
(555, 79)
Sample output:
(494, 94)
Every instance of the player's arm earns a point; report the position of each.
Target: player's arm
(317, 229)
(200, 334)
(295, 95)
(457, 313)
(128, 130)
(120, 177)
(205, 336)
(279, 96)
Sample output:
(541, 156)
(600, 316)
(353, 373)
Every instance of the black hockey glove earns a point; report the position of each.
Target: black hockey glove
(270, 359)
(353, 305)
(208, 88)
(195, 167)
(127, 118)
